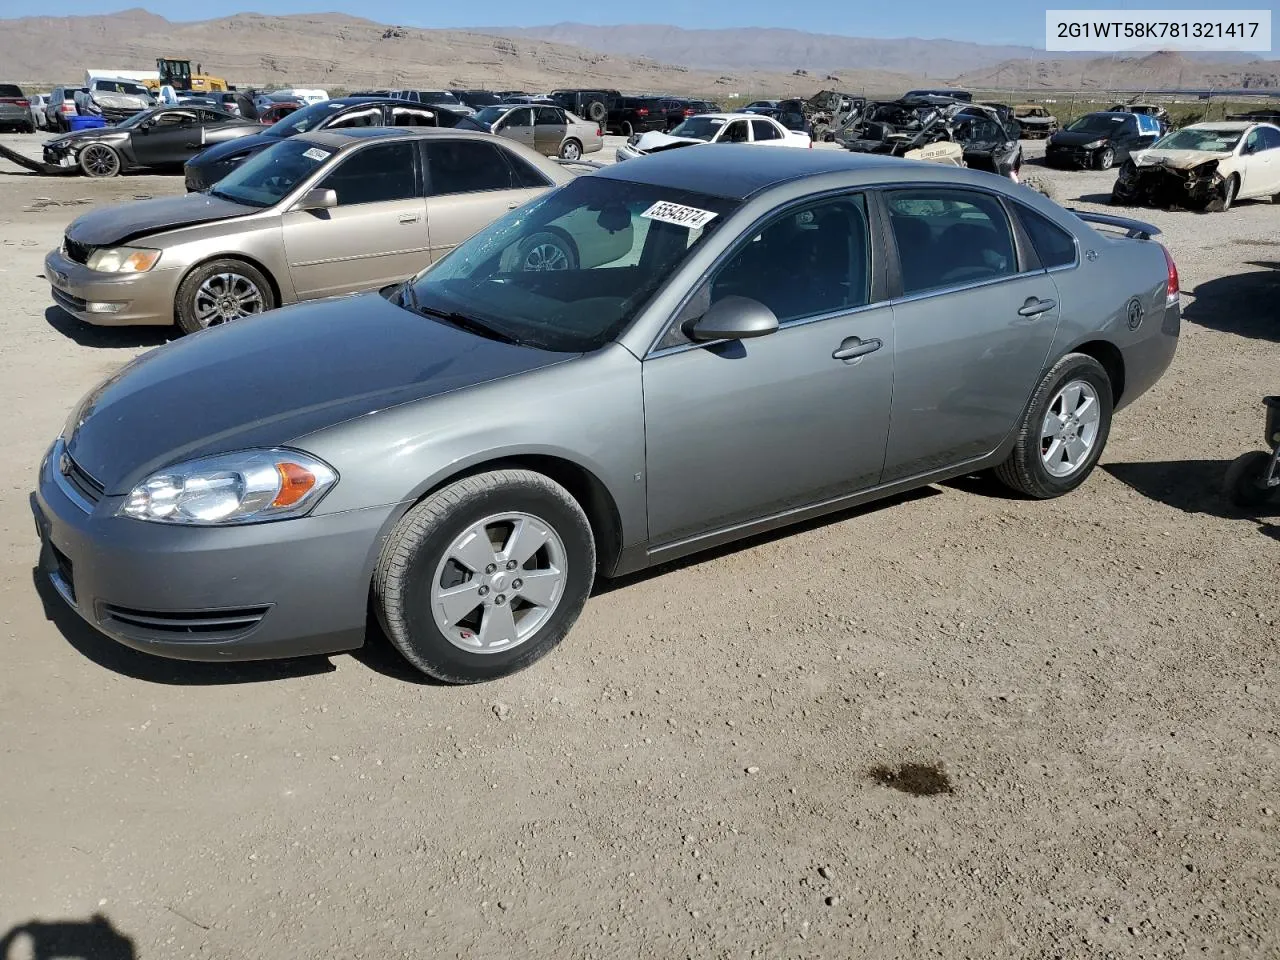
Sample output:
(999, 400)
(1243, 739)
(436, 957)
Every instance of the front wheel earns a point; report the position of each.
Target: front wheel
(1230, 187)
(98, 160)
(1063, 430)
(219, 292)
(486, 576)
(1245, 482)
(1105, 159)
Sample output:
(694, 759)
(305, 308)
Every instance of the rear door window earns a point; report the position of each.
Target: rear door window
(947, 237)
(764, 130)
(467, 166)
(1054, 246)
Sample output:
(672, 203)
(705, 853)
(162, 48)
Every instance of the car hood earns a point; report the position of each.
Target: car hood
(122, 101)
(84, 136)
(1076, 138)
(1178, 159)
(128, 221)
(270, 379)
(220, 152)
(656, 140)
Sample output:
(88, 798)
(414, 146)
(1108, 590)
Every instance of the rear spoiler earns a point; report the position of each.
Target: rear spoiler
(1133, 229)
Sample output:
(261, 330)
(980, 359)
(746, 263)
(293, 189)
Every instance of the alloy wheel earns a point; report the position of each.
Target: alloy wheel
(100, 161)
(226, 296)
(499, 581)
(1069, 431)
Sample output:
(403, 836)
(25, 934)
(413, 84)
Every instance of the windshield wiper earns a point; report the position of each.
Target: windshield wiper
(409, 299)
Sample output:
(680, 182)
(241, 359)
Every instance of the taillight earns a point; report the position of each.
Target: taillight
(1172, 292)
(23, 103)
(67, 107)
(599, 132)
(642, 112)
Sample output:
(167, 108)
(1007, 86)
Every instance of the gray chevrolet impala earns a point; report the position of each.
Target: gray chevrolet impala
(787, 333)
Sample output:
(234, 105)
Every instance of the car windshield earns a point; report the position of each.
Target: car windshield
(482, 99)
(491, 115)
(268, 177)
(698, 128)
(1210, 141)
(570, 270)
(1094, 123)
(134, 119)
(305, 119)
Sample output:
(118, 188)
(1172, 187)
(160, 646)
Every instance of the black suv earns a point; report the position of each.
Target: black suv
(588, 104)
(637, 115)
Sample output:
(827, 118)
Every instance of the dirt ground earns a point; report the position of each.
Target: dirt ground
(1081, 691)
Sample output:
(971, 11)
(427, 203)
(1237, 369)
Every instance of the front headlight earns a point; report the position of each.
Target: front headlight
(251, 486)
(123, 260)
(1095, 144)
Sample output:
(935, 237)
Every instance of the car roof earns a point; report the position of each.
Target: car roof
(1230, 126)
(739, 171)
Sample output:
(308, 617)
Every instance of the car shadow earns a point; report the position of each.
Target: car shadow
(87, 335)
(1102, 199)
(92, 939)
(1192, 486)
(118, 658)
(1240, 303)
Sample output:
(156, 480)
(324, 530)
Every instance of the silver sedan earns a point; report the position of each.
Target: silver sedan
(787, 333)
(545, 128)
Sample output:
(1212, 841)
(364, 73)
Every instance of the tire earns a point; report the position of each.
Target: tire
(1025, 470)
(100, 161)
(1230, 189)
(416, 562)
(546, 250)
(191, 303)
(1241, 484)
(597, 111)
(1105, 159)
(627, 129)
(30, 127)
(571, 150)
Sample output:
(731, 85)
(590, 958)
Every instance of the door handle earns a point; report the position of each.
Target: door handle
(852, 347)
(1034, 307)
(408, 218)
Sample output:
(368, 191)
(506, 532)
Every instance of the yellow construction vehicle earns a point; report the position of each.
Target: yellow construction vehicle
(177, 73)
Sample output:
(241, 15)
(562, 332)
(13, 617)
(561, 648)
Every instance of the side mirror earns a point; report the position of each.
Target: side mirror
(317, 198)
(734, 318)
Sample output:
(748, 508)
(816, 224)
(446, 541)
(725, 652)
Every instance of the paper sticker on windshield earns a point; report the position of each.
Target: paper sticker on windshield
(681, 216)
(316, 154)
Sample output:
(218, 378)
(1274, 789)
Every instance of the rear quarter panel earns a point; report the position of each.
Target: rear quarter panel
(1095, 298)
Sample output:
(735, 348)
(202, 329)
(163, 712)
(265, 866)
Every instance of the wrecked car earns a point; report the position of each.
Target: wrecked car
(157, 138)
(113, 98)
(830, 113)
(1154, 110)
(899, 127)
(1034, 120)
(714, 128)
(1098, 140)
(1206, 166)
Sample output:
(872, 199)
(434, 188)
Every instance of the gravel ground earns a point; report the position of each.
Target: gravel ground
(1081, 692)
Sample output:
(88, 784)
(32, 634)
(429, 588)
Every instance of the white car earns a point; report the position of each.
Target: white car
(716, 128)
(1205, 166)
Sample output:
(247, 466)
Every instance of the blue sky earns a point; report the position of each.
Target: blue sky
(982, 21)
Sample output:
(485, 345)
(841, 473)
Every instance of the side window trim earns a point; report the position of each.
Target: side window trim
(418, 185)
(878, 294)
(512, 160)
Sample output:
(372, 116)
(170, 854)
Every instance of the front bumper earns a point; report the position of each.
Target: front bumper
(137, 299)
(1161, 186)
(1069, 157)
(261, 591)
(626, 153)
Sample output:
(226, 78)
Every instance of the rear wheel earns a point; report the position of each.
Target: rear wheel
(570, 150)
(486, 576)
(1063, 431)
(98, 160)
(546, 250)
(219, 292)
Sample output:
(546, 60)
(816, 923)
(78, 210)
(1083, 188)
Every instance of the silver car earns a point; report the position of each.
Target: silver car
(548, 129)
(788, 333)
(316, 215)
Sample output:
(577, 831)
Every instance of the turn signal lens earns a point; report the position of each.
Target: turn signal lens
(296, 482)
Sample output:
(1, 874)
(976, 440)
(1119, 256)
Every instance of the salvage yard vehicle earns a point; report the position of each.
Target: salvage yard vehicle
(61, 107)
(1206, 166)
(1253, 479)
(631, 115)
(590, 104)
(318, 215)
(1153, 110)
(113, 99)
(714, 128)
(15, 109)
(1098, 140)
(465, 453)
(159, 138)
(1035, 121)
(207, 168)
(988, 141)
(549, 130)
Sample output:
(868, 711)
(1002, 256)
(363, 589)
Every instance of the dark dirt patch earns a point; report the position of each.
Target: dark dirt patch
(917, 779)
